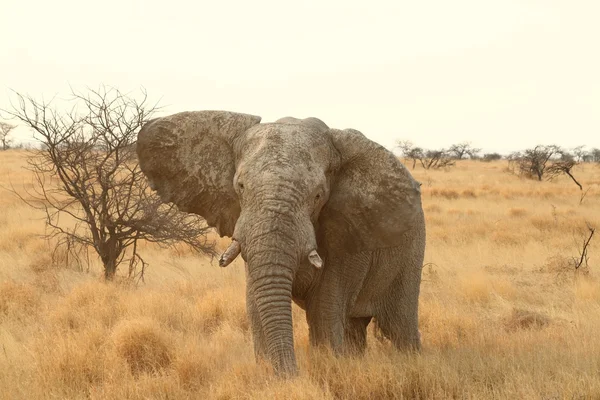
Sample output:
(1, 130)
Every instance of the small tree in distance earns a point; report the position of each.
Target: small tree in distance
(534, 162)
(88, 183)
(4, 132)
(409, 151)
(436, 159)
(429, 159)
(488, 157)
(564, 166)
(461, 150)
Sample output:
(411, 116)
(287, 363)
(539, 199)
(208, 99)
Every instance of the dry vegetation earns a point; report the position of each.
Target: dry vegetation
(502, 313)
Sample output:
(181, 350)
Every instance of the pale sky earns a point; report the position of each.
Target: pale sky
(505, 75)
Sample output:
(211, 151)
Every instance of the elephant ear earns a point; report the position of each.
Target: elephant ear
(373, 200)
(188, 159)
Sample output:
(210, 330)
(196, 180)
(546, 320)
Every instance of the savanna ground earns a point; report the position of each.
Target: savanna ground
(502, 313)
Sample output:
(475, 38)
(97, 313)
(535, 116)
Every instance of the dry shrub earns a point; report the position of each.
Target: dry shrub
(588, 290)
(543, 223)
(88, 304)
(193, 368)
(517, 212)
(476, 288)
(240, 380)
(445, 327)
(219, 306)
(144, 387)
(506, 237)
(143, 344)
(449, 194)
(196, 310)
(174, 312)
(14, 239)
(469, 193)
(46, 277)
(68, 363)
(525, 319)
(504, 288)
(298, 389)
(383, 374)
(47, 281)
(18, 300)
(432, 208)
(558, 264)
(454, 211)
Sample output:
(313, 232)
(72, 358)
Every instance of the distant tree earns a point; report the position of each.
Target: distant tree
(534, 162)
(5, 129)
(410, 152)
(405, 146)
(580, 154)
(595, 155)
(491, 157)
(460, 150)
(566, 156)
(564, 166)
(90, 187)
(546, 162)
(436, 159)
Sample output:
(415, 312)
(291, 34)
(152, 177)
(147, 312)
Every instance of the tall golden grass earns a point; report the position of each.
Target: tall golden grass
(503, 315)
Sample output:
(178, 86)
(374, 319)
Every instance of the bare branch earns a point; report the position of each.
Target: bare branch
(88, 183)
(583, 253)
(533, 163)
(461, 150)
(563, 167)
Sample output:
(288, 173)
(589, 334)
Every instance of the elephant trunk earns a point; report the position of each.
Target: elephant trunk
(272, 295)
(272, 261)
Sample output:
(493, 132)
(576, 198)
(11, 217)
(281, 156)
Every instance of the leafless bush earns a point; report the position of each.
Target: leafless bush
(436, 159)
(488, 157)
(461, 150)
(429, 159)
(533, 163)
(581, 262)
(88, 183)
(564, 266)
(594, 155)
(410, 152)
(546, 162)
(563, 167)
(5, 129)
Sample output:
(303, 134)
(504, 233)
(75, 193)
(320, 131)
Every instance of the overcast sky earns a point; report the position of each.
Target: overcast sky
(503, 74)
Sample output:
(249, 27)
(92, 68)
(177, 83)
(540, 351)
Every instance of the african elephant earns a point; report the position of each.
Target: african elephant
(324, 217)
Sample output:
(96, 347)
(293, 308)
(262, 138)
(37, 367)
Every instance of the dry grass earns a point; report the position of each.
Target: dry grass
(502, 315)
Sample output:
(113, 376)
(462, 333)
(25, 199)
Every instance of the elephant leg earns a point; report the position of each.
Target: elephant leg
(397, 314)
(326, 327)
(355, 335)
(325, 315)
(328, 308)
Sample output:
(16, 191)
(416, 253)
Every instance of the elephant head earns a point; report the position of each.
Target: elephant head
(290, 194)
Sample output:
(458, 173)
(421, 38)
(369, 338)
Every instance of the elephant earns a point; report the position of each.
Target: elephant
(323, 217)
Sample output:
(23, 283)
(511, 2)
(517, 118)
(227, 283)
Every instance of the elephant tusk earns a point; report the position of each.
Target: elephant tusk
(230, 254)
(315, 259)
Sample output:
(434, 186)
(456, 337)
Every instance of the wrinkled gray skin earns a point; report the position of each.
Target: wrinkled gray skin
(283, 189)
